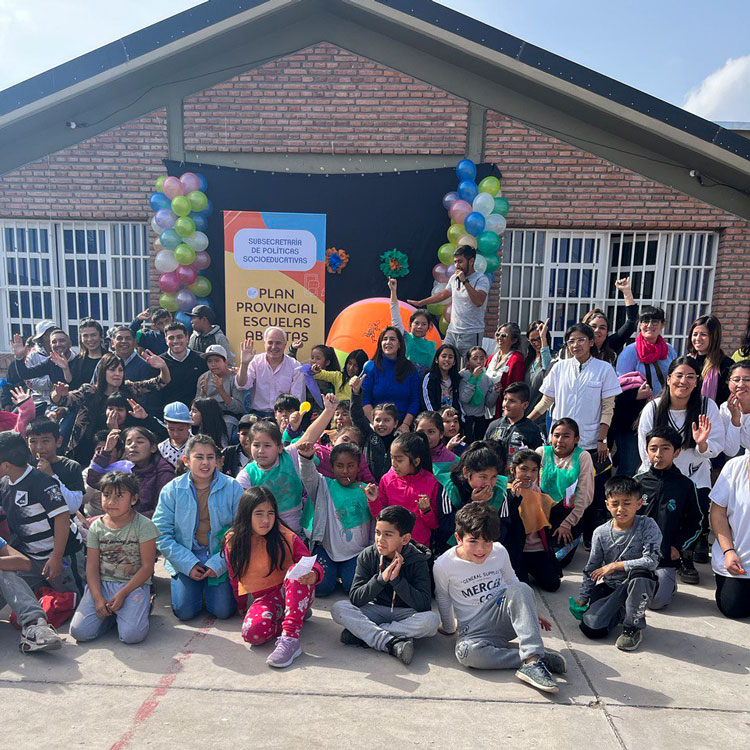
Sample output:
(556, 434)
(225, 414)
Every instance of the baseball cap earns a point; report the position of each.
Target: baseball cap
(247, 419)
(203, 311)
(177, 412)
(42, 327)
(215, 349)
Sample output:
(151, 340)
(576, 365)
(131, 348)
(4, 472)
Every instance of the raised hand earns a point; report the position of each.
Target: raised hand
(247, 351)
(701, 431)
(295, 420)
(355, 383)
(371, 492)
(61, 390)
(19, 394)
(454, 442)
(306, 449)
(393, 285)
(543, 329)
(477, 371)
(59, 360)
(296, 341)
(111, 442)
(154, 360)
(19, 347)
(136, 410)
(145, 315)
(623, 285)
(735, 409)
(330, 401)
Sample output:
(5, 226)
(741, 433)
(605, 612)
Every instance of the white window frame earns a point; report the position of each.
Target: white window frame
(120, 250)
(681, 277)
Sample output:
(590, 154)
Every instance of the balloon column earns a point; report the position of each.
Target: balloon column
(477, 214)
(181, 210)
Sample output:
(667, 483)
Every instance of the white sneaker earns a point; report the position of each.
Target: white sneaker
(39, 636)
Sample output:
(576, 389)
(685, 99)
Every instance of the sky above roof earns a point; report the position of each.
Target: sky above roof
(682, 51)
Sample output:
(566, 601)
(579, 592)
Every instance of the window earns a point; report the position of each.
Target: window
(66, 271)
(561, 275)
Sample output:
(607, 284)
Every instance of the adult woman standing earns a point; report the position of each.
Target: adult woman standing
(583, 388)
(507, 364)
(92, 349)
(609, 345)
(704, 345)
(538, 360)
(389, 377)
(91, 400)
(697, 419)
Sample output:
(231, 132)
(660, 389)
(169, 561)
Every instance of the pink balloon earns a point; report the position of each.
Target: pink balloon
(440, 273)
(447, 313)
(169, 282)
(459, 211)
(451, 270)
(190, 182)
(186, 274)
(202, 261)
(172, 188)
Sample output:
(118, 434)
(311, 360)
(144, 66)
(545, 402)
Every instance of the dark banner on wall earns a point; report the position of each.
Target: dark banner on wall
(366, 215)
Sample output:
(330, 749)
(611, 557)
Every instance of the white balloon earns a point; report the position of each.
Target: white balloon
(484, 203)
(480, 263)
(496, 223)
(165, 261)
(438, 287)
(197, 240)
(155, 227)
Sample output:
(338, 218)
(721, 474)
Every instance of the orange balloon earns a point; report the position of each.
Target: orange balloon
(359, 325)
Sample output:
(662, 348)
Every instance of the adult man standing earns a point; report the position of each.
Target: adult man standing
(468, 290)
(185, 366)
(206, 333)
(271, 373)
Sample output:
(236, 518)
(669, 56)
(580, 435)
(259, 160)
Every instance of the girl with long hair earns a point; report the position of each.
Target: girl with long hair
(208, 419)
(441, 385)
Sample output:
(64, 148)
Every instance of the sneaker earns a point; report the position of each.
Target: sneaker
(537, 675)
(687, 572)
(630, 639)
(39, 636)
(402, 648)
(554, 662)
(700, 552)
(307, 615)
(286, 651)
(350, 639)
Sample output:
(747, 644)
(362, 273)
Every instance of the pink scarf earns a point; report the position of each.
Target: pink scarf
(649, 353)
(710, 383)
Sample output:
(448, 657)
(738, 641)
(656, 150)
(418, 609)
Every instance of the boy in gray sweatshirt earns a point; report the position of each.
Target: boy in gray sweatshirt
(619, 579)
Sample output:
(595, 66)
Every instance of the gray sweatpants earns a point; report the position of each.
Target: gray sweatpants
(462, 342)
(71, 579)
(483, 642)
(376, 624)
(132, 617)
(667, 585)
(17, 594)
(625, 604)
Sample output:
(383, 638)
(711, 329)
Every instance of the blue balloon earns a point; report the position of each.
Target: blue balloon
(207, 301)
(208, 210)
(185, 319)
(474, 223)
(468, 190)
(202, 182)
(159, 201)
(170, 239)
(466, 170)
(201, 222)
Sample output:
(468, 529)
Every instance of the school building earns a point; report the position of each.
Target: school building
(604, 181)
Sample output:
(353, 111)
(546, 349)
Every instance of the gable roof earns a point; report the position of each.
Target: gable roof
(214, 41)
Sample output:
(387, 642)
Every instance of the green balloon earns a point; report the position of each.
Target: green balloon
(181, 205)
(443, 326)
(168, 302)
(201, 287)
(488, 243)
(455, 232)
(501, 207)
(436, 308)
(184, 226)
(198, 200)
(445, 253)
(185, 255)
(159, 185)
(493, 263)
(489, 185)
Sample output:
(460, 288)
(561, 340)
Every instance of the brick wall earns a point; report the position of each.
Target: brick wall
(321, 95)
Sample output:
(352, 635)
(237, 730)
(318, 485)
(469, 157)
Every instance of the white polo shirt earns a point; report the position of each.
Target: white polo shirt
(578, 391)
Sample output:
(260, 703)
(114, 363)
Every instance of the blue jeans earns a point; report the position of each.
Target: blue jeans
(188, 598)
(333, 571)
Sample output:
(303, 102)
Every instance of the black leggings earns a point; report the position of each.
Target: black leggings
(733, 596)
(596, 514)
(543, 569)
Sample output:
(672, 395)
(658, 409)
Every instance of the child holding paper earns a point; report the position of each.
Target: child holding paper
(260, 549)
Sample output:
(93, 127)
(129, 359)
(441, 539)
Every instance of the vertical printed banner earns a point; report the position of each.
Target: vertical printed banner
(275, 276)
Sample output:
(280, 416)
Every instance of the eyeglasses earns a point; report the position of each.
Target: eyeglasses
(535, 339)
(502, 335)
(651, 323)
(682, 376)
(577, 342)
(737, 380)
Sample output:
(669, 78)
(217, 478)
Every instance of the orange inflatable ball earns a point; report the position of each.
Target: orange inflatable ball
(359, 325)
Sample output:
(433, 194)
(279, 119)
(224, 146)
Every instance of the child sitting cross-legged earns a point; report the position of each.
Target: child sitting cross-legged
(342, 524)
(121, 554)
(619, 580)
(260, 549)
(390, 598)
(476, 581)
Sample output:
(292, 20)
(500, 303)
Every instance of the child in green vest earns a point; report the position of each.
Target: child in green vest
(567, 476)
(419, 349)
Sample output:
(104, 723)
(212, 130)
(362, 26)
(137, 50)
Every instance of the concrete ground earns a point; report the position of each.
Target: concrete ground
(198, 685)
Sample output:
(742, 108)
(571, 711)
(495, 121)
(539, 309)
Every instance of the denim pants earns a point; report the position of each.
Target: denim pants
(190, 598)
(15, 592)
(333, 570)
(131, 618)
